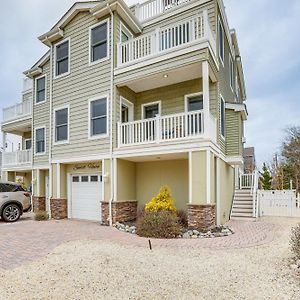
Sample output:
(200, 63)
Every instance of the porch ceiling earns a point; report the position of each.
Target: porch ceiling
(166, 77)
(158, 157)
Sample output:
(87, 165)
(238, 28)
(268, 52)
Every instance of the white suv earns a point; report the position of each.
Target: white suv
(14, 200)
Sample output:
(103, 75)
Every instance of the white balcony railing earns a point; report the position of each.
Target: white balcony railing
(27, 85)
(17, 111)
(165, 39)
(17, 158)
(152, 8)
(161, 129)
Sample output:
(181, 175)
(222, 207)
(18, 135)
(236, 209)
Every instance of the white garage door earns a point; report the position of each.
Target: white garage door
(86, 194)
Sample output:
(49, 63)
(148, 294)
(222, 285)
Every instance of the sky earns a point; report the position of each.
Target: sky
(268, 39)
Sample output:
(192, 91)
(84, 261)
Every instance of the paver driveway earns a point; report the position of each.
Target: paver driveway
(28, 240)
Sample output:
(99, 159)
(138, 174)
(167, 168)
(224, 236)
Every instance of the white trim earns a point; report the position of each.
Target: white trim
(35, 89)
(208, 179)
(69, 58)
(218, 40)
(186, 99)
(231, 68)
(190, 177)
(150, 104)
(221, 134)
(103, 135)
(38, 184)
(91, 63)
(58, 182)
(54, 125)
(33, 147)
(125, 30)
(81, 159)
(218, 191)
(69, 194)
(130, 106)
(115, 177)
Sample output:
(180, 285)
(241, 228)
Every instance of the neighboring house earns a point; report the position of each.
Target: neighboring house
(127, 100)
(249, 160)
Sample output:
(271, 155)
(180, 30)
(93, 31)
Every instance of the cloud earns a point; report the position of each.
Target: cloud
(267, 37)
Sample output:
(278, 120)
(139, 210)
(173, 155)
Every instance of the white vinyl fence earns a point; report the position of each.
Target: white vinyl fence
(278, 203)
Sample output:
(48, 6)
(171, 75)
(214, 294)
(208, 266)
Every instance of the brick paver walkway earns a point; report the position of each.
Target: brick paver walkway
(28, 240)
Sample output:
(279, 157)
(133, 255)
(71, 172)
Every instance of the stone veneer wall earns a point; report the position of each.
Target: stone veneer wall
(39, 203)
(201, 217)
(121, 211)
(59, 208)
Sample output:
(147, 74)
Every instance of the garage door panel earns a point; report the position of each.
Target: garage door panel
(86, 197)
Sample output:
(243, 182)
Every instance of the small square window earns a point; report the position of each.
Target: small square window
(75, 179)
(84, 178)
(94, 178)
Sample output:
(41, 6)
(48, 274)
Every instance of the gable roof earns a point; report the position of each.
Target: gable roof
(36, 68)
(97, 8)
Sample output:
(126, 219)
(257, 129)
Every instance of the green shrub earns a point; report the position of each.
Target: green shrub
(295, 241)
(182, 218)
(163, 201)
(41, 215)
(160, 224)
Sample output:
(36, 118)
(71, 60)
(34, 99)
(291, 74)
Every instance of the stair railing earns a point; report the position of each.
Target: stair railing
(254, 193)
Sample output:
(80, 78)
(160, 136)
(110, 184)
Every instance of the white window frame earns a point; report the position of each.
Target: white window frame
(91, 63)
(150, 104)
(220, 23)
(103, 135)
(54, 125)
(69, 58)
(26, 140)
(231, 73)
(186, 99)
(130, 105)
(35, 89)
(125, 30)
(45, 138)
(222, 100)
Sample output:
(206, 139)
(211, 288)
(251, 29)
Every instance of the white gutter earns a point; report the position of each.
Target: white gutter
(111, 114)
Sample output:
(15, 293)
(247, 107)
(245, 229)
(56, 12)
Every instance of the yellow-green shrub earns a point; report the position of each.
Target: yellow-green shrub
(162, 202)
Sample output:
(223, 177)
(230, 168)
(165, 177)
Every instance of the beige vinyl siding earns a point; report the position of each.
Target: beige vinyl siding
(233, 133)
(171, 97)
(41, 113)
(83, 82)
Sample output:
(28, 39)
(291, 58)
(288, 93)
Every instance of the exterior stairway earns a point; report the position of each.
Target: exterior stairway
(242, 207)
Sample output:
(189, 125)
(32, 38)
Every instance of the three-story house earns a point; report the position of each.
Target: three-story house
(128, 99)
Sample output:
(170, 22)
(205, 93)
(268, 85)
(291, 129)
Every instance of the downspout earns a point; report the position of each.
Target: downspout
(111, 114)
(50, 133)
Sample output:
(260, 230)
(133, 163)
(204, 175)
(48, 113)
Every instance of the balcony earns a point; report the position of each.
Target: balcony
(17, 112)
(16, 159)
(195, 31)
(152, 8)
(166, 129)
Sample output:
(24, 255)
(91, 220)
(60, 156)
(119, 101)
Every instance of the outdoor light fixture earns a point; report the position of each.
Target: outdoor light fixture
(166, 76)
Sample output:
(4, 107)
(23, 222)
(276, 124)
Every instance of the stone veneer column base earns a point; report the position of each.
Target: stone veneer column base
(39, 203)
(121, 211)
(59, 208)
(201, 217)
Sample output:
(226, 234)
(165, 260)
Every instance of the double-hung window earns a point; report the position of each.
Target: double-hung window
(98, 117)
(62, 58)
(40, 140)
(40, 89)
(62, 125)
(99, 42)
(222, 117)
(221, 41)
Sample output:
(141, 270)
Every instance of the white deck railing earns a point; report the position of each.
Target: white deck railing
(17, 158)
(152, 8)
(165, 39)
(27, 84)
(161, 129)
(17, 111)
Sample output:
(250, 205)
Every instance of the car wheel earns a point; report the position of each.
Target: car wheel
(11, 213)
